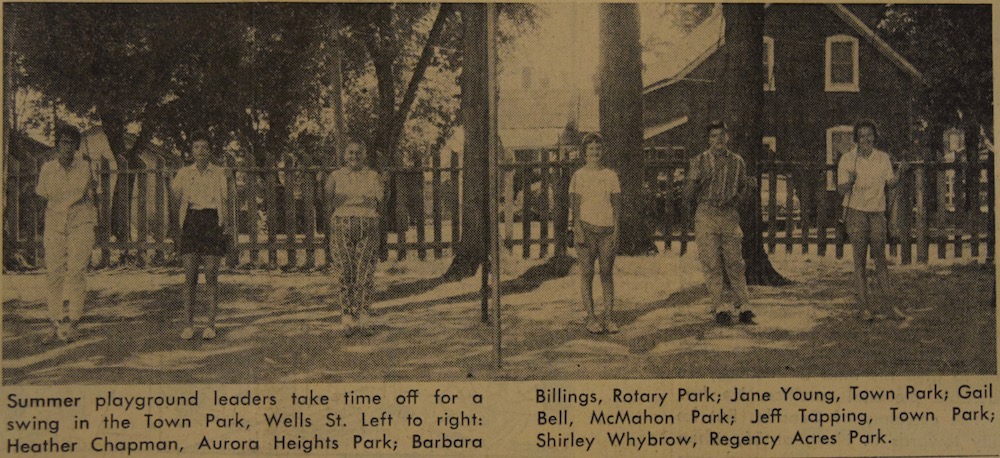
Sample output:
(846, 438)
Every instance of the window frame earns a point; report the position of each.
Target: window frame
(769, 85)
(829, 84)
(831, 169)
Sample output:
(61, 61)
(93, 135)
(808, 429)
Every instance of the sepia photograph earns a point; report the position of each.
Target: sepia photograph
(286, 193)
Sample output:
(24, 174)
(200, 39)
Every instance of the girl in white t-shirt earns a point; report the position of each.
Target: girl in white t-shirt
(595, 199)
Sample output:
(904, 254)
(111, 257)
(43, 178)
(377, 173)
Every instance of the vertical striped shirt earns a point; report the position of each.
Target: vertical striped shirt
(719, 178)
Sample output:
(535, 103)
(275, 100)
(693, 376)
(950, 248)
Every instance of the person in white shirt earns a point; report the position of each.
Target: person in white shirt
(595, 199)
(202, 190)
(67, 184)
(355, 194)
(862, 176)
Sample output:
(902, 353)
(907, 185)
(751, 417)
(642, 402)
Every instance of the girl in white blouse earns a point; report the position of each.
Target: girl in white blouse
(355, 192)
(202, 191)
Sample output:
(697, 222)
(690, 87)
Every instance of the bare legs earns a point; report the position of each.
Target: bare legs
(603, 253)
(191, 263)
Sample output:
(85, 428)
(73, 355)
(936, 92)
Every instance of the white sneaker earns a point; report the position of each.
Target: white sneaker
(187, 333)
(350, 324)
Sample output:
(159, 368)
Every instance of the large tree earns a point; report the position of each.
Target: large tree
(952, 45)
(620, 95)
(743, 105)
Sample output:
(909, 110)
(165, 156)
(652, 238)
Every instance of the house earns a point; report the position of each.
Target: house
(824, 67)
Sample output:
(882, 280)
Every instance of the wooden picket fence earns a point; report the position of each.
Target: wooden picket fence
(278, 226)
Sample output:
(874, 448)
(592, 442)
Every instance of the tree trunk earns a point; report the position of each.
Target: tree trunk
(620, 95)
(470, 251)
(743, 111)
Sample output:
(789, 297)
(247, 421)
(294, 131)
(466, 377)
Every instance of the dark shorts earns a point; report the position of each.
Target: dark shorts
(596, 241)
(867, 227)
(202, 234)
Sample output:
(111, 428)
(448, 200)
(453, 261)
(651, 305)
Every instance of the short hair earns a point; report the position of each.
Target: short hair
(716, 125)
(70, 132)
(592, 137)
(200, 136)
(865, 123)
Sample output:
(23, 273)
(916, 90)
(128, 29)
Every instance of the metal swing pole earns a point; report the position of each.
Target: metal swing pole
(493, 151)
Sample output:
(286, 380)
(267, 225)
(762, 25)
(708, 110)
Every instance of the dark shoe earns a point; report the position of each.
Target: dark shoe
(724, 318)
(746, 317)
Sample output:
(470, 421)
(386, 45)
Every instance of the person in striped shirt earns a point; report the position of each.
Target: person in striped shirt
(717, 180)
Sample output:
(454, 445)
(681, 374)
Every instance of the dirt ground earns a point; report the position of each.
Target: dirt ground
(282, 328)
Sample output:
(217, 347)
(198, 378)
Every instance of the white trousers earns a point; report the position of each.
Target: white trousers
(67, 256)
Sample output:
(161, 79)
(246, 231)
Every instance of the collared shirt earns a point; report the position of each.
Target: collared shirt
(595, 188)
(872, 172)
(201, 189)
(719, 178)
(67, 191)
(355, 186)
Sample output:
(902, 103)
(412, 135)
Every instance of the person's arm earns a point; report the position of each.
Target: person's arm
(42, 187)
(846, 175)
(224, 200)
(330, 196)
(177, 188)
(688, 191)
(574, 207)
(892, 179)
(616, 205)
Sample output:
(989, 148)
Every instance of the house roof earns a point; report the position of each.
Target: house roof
(709, 36)
(652, 131)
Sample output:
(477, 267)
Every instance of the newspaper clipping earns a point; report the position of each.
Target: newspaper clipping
(468, 229)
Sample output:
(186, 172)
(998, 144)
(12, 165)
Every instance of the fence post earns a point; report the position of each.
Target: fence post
(508, 204)
(232, 213)
(35, 240)
(417, 174)
(290, 204)
(455, 196)
(560, 212)
(772, 206)
(142, 214)
(975, 214)
(543, 205)
(436, 202)
(822, 201)
(919, 189)
(309, 215)
(159, 221)
(253, 213)
(270, 200)
(791, 189)
(990, 209)
(526, 204)
(668, 206)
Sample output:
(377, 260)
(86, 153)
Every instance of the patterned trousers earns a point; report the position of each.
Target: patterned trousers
(353, 251)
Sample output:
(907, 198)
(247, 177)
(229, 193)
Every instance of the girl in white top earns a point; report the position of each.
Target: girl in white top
(862, 176)
(202, 191)
(595, 200)
(355, 193)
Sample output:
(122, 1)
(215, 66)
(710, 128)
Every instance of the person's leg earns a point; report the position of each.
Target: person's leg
(55, 264)
(606, 258)
(367, 252)
(709, 247)
(857, 229)
(586, 253)
(191, 261)
(735, 268)
(339, 266)
(79, 245)
(212, 285)
(880, 294)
